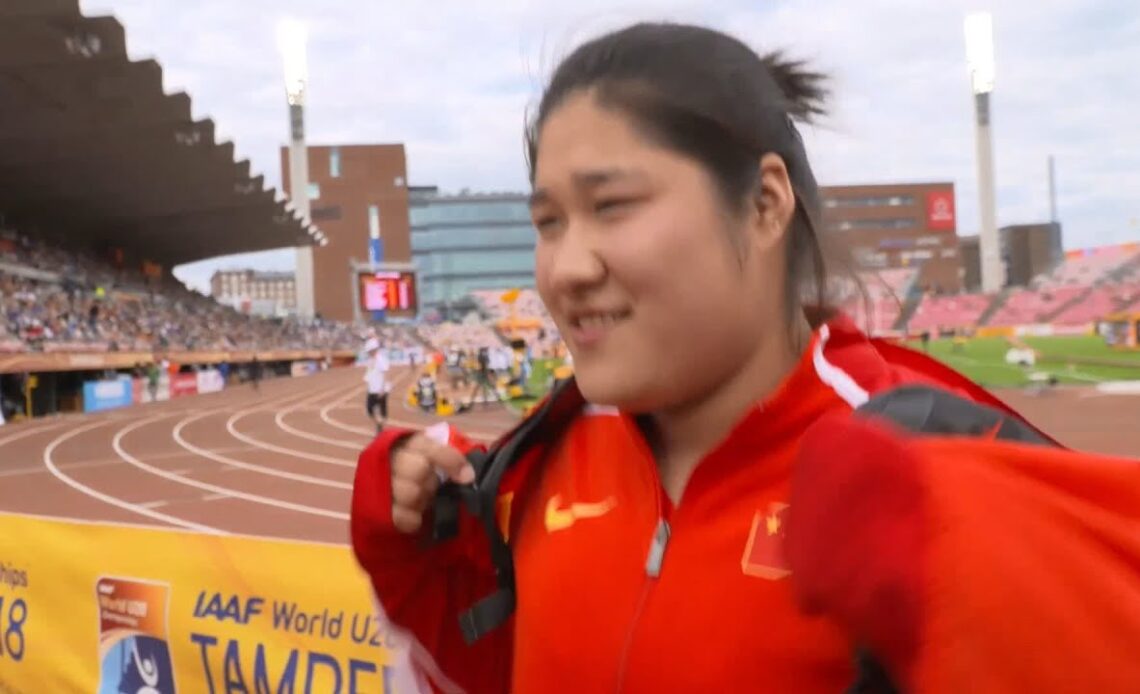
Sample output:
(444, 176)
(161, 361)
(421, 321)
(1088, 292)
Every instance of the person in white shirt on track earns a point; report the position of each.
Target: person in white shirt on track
(376, 376)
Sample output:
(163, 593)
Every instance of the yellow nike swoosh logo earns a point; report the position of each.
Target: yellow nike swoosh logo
(559, 518)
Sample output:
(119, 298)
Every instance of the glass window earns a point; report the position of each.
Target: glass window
(475, 262)
(314, 190)
(478, 237)
(334, 162)
(325, 214)
(895, 223)
(870, 201)
(434, 212)
(374, 221)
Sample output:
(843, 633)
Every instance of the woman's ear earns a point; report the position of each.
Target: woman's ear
(775, 202)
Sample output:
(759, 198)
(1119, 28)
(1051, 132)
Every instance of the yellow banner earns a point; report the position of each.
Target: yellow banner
(107, 609)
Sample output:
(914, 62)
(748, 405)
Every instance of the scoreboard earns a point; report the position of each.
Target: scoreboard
(390, 292)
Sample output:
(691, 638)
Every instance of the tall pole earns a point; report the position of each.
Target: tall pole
(1052, 191)
(980, 58)
(292, 39)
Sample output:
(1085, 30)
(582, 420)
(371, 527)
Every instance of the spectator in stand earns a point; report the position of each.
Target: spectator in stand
(91, 306)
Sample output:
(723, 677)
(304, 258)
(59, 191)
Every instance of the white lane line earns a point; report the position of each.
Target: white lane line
(279, 419)
(107, 462)
(116, 443)
(26, 430)
(315, 457)
(214, 497)
(154, 504)
(232, 464)
(107, 498)
(39, 469)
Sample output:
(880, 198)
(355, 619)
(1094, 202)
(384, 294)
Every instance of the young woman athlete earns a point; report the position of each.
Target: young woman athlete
(717, 518)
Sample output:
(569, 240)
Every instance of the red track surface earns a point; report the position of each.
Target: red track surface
(280, 463)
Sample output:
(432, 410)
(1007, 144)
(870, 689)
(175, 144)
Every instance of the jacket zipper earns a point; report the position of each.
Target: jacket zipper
(653, 562)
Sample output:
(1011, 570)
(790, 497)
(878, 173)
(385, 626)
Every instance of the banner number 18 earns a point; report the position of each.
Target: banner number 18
(12, 626)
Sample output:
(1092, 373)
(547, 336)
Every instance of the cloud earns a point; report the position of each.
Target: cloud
(452, 79)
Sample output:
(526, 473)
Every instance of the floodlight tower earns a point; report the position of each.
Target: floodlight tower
(291, 39)
(980, 59)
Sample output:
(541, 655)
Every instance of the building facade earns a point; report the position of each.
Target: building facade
(896, 226)
(1030, 250)
(469, 241)
(359, 200)
(253, 291)
(970, 254)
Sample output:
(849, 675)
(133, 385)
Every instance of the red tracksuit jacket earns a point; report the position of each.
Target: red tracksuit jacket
(620, 590)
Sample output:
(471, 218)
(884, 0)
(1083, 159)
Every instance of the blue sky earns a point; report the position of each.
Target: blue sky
(452, 79)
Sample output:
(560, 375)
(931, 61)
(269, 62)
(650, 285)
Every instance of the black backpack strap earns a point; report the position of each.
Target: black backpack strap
(927, 410)
(542, 427)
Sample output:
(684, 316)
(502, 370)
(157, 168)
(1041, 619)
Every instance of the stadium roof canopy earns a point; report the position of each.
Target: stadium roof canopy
(92, 149)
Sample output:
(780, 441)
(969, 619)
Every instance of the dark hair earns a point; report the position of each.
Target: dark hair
(710, 97)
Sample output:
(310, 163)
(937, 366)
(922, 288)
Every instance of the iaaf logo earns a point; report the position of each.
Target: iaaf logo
(134, 654)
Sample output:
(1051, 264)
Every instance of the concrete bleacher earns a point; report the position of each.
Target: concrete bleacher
(1100, 301)
(1025, 306)
(1084, 269)
(1083, 287)
(949, 312)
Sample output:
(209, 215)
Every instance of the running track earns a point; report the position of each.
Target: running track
(275, 463)
(280, 463)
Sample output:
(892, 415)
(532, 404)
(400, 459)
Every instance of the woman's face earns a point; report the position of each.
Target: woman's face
(660, 291)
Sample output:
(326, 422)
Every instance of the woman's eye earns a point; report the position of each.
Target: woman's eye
(611, 205)
(545, 223)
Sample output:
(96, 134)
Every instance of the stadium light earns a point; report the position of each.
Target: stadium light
(980, 51)
(980, 62)
(291, 41)
(292, 38)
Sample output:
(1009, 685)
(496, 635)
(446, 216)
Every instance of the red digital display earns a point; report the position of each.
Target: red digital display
(940, 210)
(394, 293)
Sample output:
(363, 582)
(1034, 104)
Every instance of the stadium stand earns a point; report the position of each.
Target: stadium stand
(106, 184)
(1025, 306)
(947, 313)
(58, 301)
(534, 322)
(466, 336)
(1099, 301)
(92, 148)
(1085, 286)
(1086, 268)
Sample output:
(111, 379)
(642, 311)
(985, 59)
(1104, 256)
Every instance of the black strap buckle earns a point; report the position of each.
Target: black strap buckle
(488, 614)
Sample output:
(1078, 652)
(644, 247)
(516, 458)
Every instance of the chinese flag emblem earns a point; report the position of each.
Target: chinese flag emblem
(764, 553)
